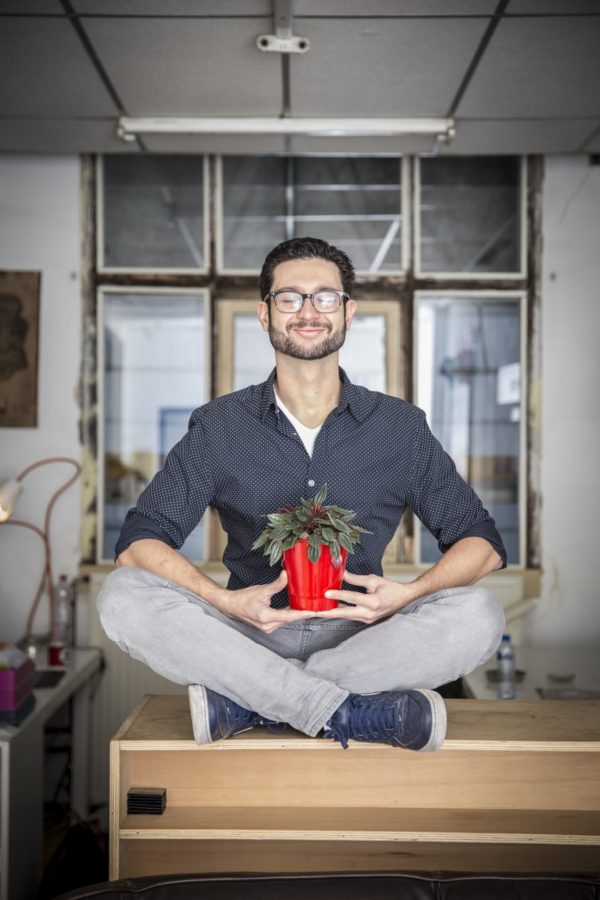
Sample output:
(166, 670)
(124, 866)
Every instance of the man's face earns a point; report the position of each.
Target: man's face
(306, 334)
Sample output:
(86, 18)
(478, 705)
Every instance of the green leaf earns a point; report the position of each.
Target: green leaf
(314, 540)
(275, 552)
(319, 498)
(334, 549)
(345, 542)
(276, 518)
(314, 553)
(340, 526)
(329, 535)
(261, 540)
(289, 542)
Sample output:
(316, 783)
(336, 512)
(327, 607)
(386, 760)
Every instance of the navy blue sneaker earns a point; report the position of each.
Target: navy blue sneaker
(215, 717)
(415, 720)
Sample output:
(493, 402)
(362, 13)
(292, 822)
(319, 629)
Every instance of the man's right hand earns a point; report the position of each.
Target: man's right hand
(253, 606)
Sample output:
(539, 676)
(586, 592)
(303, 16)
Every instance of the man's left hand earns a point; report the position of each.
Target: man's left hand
(383, 599)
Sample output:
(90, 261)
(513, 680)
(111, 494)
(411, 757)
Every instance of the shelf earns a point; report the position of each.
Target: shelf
(504, 794)
(329, 824)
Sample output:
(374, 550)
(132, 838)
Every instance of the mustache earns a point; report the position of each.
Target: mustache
(315, 324)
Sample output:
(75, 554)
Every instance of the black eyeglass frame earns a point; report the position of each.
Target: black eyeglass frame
(343, 297)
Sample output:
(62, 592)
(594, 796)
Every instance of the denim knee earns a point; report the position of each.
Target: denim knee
(117, 593)
(491, 620)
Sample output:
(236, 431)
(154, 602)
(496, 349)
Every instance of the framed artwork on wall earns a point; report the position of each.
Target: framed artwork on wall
(19, 335)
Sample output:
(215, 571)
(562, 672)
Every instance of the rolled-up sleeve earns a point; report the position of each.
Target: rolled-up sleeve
(173, 503)
(448, 507)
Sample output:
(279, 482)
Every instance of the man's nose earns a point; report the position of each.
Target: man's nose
(307, 311)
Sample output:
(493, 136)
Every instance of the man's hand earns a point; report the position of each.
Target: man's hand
(252, 605)
(383, 599)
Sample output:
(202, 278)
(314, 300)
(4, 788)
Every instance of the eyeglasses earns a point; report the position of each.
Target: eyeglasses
(322, 301)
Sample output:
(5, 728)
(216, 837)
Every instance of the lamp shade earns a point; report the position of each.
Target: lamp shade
(9, 492)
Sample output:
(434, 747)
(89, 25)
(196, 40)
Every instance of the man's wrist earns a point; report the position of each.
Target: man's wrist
(413, 590)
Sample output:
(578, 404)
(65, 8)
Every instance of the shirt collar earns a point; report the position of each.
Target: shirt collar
(358, 400)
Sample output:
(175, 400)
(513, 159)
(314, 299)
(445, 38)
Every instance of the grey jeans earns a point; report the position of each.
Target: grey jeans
(301, 672)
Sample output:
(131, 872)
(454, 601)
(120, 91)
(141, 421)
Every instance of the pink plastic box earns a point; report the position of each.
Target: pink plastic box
(16, 685)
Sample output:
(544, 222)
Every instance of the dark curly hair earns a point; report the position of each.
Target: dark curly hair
(306, 248)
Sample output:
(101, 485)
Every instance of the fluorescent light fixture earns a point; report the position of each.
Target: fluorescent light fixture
(442, 129)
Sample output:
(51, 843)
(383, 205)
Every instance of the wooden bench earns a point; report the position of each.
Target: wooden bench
(515, 788)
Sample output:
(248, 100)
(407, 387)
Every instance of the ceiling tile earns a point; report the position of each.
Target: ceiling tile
(395, 8)
(518, 136)
(551, 7)
(382, 67)
(188, 67)
(592, 144)
(44, 70)
(537, 67)
(173, 8)
(61, 136)
(43, 7)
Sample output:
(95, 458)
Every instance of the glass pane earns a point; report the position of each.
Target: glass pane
(253, 356)
(469, 365)
(154, 378)
(354, 203)
(470, 214)
(153, 212)
(363, 355)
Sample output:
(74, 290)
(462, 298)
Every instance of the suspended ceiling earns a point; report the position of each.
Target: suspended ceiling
(521, 76)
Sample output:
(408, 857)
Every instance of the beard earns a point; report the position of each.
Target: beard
(284, 343)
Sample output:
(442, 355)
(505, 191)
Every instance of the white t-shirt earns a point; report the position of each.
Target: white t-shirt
(307, 435)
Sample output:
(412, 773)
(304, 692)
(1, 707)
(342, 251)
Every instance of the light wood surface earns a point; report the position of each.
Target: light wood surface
(273, 857)
(318, 823)
(516, 787)
(164, 721)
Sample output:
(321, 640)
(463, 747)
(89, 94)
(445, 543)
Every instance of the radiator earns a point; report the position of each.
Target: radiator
(123, 683)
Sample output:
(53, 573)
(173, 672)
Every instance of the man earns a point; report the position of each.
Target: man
(364, 670)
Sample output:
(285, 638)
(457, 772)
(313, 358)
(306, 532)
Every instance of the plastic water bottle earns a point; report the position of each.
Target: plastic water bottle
(507, 684)
(64, 609)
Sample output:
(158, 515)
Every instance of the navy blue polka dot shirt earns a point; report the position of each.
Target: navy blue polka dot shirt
(243, 457)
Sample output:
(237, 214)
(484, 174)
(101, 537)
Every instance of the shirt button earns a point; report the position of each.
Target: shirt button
(311, 482)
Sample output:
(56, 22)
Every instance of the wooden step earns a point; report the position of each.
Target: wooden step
(515, 788)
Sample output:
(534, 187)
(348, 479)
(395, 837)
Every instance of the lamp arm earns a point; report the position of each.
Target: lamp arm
(48, 516)
(47, 576)
(21, 523)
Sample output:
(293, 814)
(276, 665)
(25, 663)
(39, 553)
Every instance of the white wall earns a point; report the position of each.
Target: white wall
(39, 231)
(569, 610)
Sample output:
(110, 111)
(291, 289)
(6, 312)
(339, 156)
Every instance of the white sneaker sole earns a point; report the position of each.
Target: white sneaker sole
(439, 719)
(199, 713)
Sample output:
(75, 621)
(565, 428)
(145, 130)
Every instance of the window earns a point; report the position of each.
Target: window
(468, 380)
(470, 216)
(152, 214)
(447, 331)
(352, 202)
(153, 356)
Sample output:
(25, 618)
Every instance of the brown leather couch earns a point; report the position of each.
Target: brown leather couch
(345, 887)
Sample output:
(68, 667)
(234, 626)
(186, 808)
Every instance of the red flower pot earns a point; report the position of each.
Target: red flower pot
(308, 581)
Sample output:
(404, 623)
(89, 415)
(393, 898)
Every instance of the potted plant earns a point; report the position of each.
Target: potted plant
(314, 540)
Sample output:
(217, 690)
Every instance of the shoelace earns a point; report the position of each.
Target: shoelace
(373, 720)
(241, 718)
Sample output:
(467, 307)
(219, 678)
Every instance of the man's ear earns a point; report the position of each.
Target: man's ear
(351, 307)
(262, 310)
